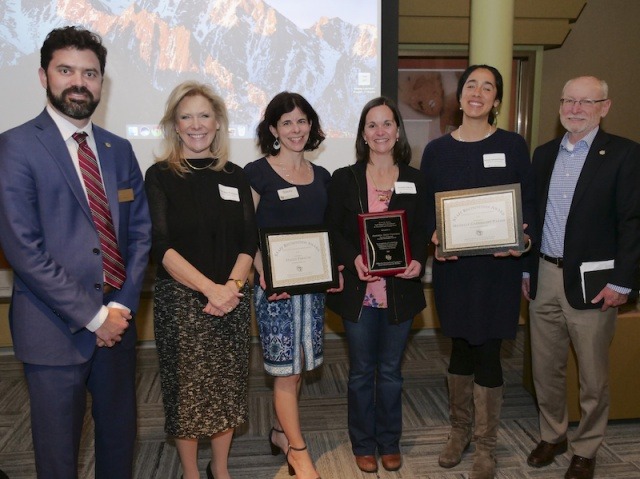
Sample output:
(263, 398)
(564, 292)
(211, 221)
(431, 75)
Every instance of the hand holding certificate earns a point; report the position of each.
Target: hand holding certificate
(479, 221)
(298, 260)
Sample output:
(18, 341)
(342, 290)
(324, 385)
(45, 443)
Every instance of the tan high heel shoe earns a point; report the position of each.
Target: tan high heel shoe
(292, 471)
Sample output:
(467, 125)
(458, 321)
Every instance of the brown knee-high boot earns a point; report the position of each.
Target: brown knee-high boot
(461, 417)
(488, 404)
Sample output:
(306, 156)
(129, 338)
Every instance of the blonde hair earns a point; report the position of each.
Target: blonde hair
(171, 147)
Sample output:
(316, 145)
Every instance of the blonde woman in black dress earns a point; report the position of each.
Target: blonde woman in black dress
(204, 240)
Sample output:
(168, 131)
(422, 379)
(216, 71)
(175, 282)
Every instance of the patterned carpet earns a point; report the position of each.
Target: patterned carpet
(324, 417)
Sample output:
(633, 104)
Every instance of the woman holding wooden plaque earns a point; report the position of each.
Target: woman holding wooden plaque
(477, 294)
(382, 293)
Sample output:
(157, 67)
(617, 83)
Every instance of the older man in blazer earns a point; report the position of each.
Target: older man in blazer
(78, 270)
(588, 185)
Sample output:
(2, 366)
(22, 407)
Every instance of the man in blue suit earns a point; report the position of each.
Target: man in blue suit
(72, 324)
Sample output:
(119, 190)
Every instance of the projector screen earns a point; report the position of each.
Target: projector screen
(248, 50)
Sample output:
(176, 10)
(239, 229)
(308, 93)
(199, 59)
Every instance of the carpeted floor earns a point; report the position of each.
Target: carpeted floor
(324, 417)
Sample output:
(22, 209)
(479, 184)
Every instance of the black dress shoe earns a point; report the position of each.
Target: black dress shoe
(545, 452)
(581, 468)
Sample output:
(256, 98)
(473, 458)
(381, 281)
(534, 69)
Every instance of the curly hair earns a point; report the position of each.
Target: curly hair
(286, 102)
(72, 37)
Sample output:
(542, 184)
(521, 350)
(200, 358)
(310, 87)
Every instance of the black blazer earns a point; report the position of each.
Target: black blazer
(348, 198)
(604, 218)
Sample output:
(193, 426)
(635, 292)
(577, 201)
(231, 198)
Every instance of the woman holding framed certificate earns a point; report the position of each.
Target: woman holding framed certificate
(477, 294)
(379, 202)
(288, 192)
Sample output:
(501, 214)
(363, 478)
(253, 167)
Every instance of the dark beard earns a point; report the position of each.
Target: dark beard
(78, 110)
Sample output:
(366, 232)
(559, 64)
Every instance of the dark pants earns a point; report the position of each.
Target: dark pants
(58, 402)
(481, 361)
(376, 349)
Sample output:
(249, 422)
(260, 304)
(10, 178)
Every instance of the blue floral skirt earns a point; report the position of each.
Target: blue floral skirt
(290, 329)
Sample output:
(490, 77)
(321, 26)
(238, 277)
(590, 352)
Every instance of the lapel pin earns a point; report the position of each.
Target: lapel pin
(602, 152)
(108, 145)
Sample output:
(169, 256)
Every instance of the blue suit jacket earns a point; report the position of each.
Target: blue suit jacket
(49, 238)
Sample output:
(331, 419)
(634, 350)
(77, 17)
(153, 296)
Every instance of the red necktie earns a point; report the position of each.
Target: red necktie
(112, 263)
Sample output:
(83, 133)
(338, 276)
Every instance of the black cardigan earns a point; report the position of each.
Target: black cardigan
(348, 198)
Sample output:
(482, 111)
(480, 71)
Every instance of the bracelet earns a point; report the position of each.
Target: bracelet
(528, 247)
(239, 283)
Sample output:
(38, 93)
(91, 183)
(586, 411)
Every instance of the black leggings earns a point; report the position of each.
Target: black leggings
(481, 361)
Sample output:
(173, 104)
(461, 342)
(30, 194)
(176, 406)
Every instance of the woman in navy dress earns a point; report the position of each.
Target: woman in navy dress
(477, 297)
(289, 190)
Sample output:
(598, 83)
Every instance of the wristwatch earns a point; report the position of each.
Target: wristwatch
(239, 282)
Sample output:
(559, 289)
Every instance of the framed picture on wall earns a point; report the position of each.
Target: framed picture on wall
(427, 100)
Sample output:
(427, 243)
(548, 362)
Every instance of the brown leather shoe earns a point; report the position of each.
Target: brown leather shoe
(581, 468)
(367, 463)
(391, 462)
(545, 452)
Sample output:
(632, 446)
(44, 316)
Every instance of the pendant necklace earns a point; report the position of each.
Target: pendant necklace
(198, 168)
(383, 195)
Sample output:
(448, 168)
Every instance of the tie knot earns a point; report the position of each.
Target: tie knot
(80, 137)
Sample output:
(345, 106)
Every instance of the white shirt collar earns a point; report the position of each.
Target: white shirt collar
(67, 129)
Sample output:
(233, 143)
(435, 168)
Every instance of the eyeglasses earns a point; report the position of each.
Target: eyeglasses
(571, 102)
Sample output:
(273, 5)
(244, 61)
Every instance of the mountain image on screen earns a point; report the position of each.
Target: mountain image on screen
(246, 49)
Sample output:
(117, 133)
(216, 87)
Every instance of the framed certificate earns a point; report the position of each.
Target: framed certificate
(384, 240)
(479, 221)
(298, 260)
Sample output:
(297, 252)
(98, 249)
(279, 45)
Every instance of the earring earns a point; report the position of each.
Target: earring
(276, 144)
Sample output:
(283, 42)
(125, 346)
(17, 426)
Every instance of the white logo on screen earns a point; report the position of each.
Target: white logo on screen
(364, 79)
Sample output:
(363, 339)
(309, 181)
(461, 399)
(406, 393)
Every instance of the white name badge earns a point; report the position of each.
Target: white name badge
(229, 193)
(288, 193)
(494, 160)
(404, 188)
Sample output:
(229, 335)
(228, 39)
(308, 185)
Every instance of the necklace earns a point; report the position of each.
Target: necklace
(198, 168)
(287, 172)
(383, 195)
(464, 141)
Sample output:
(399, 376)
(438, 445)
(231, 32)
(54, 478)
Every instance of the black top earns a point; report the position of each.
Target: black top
(478, 297)
(206, 216)
(348, 198)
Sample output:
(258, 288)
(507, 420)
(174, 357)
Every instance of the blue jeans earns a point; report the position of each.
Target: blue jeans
(375, 382)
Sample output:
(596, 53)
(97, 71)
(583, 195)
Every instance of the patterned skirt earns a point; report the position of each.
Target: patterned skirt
(204, 361)
(289, 329)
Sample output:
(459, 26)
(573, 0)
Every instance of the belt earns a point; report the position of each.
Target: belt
(107, 288)
(550, 259)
